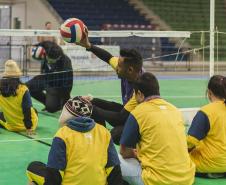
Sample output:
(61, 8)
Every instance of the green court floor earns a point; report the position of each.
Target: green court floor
(16, 150)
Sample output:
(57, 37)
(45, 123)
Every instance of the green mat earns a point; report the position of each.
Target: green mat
(17, 151)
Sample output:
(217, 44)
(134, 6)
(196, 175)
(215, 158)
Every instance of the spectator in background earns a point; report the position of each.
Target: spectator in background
(48, 26)
(17, 113)
(156, 128)
(207, 134)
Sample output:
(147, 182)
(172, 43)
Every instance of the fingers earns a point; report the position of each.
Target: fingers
(30, 132)
(86, 31)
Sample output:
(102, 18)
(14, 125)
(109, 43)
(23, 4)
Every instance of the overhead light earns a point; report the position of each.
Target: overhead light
(4, 6)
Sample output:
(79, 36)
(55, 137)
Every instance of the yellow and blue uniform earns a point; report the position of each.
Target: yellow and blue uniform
(207, 138)
(18, 113)
(128, 96)
(126, 87)
(81, 151)
(156, 128)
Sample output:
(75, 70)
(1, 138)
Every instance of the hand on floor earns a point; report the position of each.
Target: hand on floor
(30, 132)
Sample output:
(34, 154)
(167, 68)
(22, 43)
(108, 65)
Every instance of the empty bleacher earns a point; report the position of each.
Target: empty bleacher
(192, 15)
(120, 15)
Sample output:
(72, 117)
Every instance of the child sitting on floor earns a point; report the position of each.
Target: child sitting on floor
(17, 113)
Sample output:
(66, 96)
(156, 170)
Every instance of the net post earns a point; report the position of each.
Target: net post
(212, 19)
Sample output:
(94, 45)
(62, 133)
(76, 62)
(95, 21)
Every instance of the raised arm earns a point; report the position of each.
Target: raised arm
(99, 52)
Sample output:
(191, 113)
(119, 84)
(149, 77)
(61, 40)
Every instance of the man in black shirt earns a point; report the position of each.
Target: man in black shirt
(53, 86)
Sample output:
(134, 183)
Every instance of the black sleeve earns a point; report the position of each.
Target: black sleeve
(115, 177)
(200, 126)
(100, 53)
(112, 117)
(52, 177)
(26, 107)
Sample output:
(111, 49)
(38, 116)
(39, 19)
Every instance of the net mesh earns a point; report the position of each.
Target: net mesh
(181, 68)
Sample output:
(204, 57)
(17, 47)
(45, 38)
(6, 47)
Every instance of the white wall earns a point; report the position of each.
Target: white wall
(33, 14)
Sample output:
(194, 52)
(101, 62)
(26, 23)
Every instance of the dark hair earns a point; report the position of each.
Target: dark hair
(8, 86)
(217, 84)
(147, 84)
(52, 49)
(48, 22)
(132, 58)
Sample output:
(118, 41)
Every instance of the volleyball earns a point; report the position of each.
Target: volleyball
(38, 53)
(72, 30)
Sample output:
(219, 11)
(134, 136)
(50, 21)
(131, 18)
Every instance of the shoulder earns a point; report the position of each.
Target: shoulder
(207, 108)
(22, 88)
(131, 104)
(103, 130)
(113, 62)
(139, 109)
(63, 132)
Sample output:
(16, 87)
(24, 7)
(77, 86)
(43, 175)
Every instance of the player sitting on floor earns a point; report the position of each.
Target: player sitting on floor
(155, 127)
(207, 134)
(53, 86)
(17, 113)
(82, 152)
(128, 68)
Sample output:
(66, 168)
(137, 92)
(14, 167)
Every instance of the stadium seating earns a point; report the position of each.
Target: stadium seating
(101, 12)
(192, 15)
(108, 12)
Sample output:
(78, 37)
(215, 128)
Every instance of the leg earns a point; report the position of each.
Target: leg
(53, 101)
(36, 172)
(56, 98)
(116, 133)
(107, 105)
(36, 87)
(131, 171)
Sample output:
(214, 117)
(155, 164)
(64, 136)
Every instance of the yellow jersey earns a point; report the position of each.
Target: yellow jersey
(161, 144)
(209, 153)
(13, 113)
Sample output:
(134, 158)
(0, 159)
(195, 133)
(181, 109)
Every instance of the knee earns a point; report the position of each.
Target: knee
(116, 133)
(35, 172)
(52, 109)
(34, 165)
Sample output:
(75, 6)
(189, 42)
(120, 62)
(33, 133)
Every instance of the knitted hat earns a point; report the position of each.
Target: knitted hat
(76, 107)
(11, 69)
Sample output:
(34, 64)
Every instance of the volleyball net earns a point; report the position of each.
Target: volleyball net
(179, 59)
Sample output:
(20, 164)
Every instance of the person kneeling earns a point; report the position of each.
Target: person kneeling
(155, 127)
(82, 152)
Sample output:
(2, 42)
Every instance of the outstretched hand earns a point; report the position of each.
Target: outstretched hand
(85, 40)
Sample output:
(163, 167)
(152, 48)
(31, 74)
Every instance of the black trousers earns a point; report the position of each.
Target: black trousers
(110, 106)
(37, 171)
(53, 98)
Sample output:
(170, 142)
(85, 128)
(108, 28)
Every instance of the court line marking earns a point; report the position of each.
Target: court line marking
(33, 139)
(21, 140)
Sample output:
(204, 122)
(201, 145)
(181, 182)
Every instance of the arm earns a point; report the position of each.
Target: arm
(99, 52)
(53, 177)
(199, 129)
(130, 137)
(127, 152)
(56, 162)
(26, 107)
